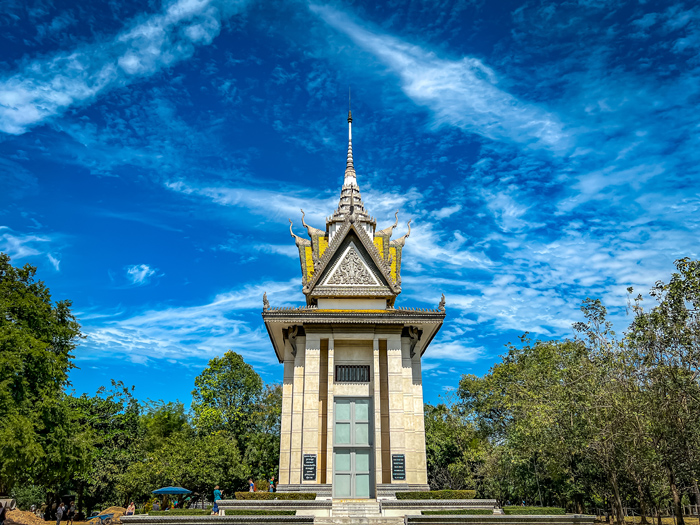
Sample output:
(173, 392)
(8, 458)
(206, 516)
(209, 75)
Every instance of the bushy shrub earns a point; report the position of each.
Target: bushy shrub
(28, 495)
(229, 512)
(276, 495)
(438, 494)
(533, 511)
(458, 511)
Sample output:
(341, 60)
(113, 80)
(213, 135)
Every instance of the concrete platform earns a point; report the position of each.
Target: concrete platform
(499, 519)
(216, 520)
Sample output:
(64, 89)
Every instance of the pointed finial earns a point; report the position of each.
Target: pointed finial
(349, 106)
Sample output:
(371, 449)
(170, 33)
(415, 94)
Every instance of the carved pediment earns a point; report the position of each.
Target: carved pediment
(351, 269)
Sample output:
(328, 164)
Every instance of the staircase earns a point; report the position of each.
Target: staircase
(357, 512)
(359, 508)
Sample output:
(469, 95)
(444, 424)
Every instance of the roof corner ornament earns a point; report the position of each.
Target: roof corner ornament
(402, 240)
(292, 336)
(441, 306)
(303, 223)
(414, 334)
(291, 232)
(266, 303)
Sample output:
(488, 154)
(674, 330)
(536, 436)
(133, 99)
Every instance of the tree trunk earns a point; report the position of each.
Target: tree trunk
(658, 516)
(697, 495)
(677, 505)
(617, 501)
(642, 503)
(80, 497)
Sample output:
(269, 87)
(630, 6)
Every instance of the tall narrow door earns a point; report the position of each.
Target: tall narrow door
(352, 451)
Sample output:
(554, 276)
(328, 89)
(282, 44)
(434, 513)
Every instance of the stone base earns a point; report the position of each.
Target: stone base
(495, 519)
(373, 520)
(389, 490)
(322, 490)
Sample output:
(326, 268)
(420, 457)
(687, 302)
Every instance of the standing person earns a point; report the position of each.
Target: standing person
(251, 485)
(217, 496)
(71, 512)
(59, 513)
(272, 484)
(130, 510)
(3, 512)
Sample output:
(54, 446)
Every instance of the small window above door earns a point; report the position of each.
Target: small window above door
(352, 373)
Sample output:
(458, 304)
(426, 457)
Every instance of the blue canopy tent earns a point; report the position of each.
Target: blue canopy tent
(171, 490)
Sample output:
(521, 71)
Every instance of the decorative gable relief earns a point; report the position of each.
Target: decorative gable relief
(351, 270)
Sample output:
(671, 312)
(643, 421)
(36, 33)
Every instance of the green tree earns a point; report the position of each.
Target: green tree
(37, 336)
(114, 417)
(226, 396)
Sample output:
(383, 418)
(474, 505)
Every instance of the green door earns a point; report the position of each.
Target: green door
(352, 451)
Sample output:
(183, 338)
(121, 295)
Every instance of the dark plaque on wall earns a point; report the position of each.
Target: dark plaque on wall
(398, 466)
(309, 467)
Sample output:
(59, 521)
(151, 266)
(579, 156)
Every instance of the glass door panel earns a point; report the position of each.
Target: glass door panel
(352, 465)
(362, 485)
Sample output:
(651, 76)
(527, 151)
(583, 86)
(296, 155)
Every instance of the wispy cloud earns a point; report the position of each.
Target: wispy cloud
(463, 93)
(21, 245)
(55, 262)
(140, 274)
(49, 86)
(192, 332)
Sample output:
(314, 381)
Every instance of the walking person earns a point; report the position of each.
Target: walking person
(251, 485)
(272, 484)
(71, 512)
(217, 496)
(59, 513)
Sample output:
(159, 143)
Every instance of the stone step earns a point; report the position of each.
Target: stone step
(370, 520)
(355, 509)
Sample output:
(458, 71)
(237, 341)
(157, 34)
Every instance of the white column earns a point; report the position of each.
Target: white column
(419, 422)
(312, 367)
(408, 407)
(396, 400)
(297, 413)
(286, 420)
(377, 416)
(331, 407)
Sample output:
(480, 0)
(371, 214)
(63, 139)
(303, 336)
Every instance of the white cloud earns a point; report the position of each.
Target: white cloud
(49, 86)
(462, 93)
(139, 274)
(54, 261)
(18, 245)
(453, 351)
(192, 332)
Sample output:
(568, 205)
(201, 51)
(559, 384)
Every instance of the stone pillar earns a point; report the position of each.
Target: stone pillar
(396, 398)
(297, 413)
(376, 398)
(408, 407)
(312, 367)
(419, 419)
(286, 420)
(331, 408)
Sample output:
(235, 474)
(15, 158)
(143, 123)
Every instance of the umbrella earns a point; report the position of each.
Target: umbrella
(172, 490)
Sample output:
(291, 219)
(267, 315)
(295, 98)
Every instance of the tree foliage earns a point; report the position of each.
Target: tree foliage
(599, 420)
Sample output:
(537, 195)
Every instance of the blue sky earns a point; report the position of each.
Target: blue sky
(151, 154)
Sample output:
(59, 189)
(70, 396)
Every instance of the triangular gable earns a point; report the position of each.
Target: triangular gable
(351, 269)
(369, 256)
